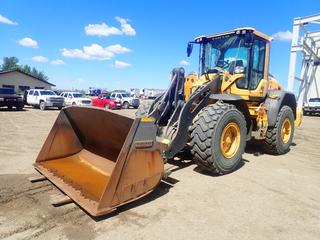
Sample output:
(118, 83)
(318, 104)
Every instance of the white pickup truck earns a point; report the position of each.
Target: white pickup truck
(312, 106)
(126, 99)
(76, 98)
(44, 99)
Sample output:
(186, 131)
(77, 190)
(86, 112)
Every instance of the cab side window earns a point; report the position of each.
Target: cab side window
(258, 60)
(36, 93)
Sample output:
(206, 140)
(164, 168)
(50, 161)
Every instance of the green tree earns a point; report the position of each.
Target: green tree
(25, 69)
(9, 63)
(42, 76)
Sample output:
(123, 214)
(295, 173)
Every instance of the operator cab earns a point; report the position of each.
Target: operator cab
(242, 53)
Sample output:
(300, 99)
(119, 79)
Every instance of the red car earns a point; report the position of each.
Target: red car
(104, 100)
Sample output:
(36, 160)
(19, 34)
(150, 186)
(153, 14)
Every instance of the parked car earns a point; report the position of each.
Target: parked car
(105, 100)
(44, 99)
(9, 99)
(76, 98)
(312, 106)
(126, 99)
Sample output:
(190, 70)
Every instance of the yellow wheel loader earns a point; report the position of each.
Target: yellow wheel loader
(102, 160)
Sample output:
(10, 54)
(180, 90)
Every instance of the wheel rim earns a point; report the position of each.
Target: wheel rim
(230, 140)
(286, 130)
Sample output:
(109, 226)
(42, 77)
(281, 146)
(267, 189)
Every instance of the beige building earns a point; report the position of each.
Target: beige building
(21, 81)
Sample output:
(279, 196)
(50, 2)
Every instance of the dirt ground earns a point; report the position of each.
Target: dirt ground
(268, 197)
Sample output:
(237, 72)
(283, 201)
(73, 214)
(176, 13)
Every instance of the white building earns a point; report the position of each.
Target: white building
(21, 81)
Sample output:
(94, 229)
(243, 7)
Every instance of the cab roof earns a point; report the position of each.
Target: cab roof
(237, 30)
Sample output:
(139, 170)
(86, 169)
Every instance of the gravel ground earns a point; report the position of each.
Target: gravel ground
(268, 197)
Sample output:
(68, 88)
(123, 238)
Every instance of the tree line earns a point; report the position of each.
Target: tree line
(12, 63)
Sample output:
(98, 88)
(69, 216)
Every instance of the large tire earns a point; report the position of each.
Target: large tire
(143, 109)
(211, 129)
(279, 138)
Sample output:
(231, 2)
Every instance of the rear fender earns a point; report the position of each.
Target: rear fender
(275, 100)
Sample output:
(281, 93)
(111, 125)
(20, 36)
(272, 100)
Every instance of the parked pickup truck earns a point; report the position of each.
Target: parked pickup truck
(126, 99)
(312, 106)
(44, 99)
(104, 100)
(76, 98)
(9, 99)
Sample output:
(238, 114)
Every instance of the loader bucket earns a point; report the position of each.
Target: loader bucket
(101, 159)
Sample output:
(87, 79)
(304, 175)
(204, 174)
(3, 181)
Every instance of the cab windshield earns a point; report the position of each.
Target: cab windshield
(227, 52)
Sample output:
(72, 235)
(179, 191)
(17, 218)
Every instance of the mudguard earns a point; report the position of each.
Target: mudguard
(238, 102)
(275, 100)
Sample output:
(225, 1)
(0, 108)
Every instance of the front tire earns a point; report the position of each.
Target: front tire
(279, 137)
(20, 108)
(42, 106)
(126, 105)
(218, 138)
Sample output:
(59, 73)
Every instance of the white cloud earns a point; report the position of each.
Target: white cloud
(126, 28)
(57, 62)
(184, 63)
(105, 30)
(28, 42)
(95, 52)
(7, 20)
(120, 64)
(283, 36)
(41, 59)
(101, 30)
(81, 80)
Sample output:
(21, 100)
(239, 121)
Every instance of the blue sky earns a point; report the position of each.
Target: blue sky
(124, 44)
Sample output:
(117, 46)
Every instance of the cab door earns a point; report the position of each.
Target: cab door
(252, 84)
(30, 97)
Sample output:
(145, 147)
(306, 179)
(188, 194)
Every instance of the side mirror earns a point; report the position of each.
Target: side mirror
(189, 49)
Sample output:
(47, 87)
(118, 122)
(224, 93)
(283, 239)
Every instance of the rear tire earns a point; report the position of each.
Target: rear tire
(218, 138)
(279, 138)
(143, 109)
